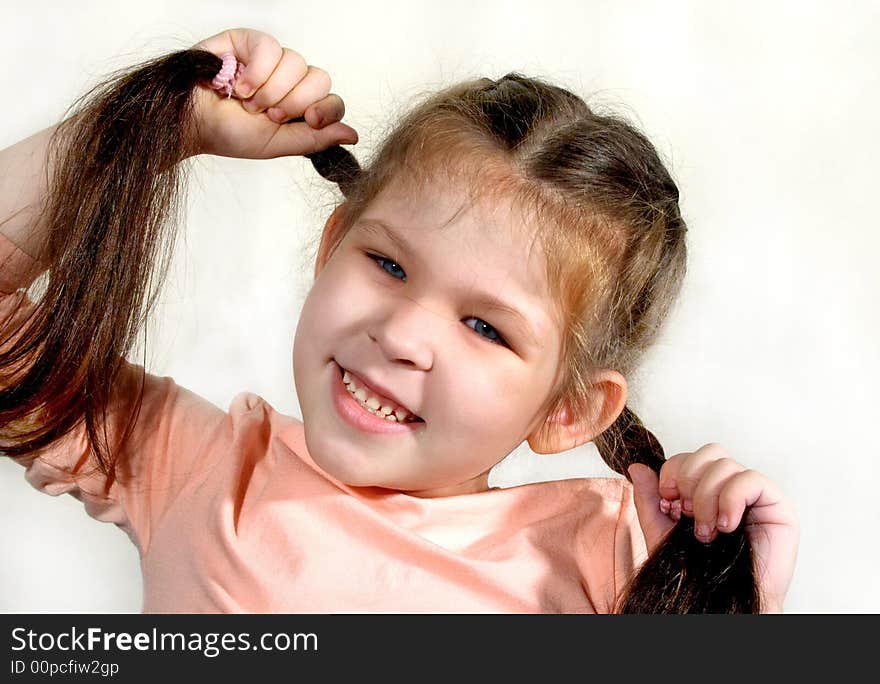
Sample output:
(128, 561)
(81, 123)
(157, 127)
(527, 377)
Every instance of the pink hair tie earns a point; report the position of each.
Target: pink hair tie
(229, 72)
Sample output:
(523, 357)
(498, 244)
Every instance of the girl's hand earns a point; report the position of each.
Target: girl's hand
(715, 490)
(276, 85)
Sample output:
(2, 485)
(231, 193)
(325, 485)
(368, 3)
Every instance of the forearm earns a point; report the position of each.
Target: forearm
(24, 181)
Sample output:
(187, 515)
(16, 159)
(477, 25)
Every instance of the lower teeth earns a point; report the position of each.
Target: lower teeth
(391, 418)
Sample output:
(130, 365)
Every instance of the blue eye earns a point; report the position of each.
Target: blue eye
(482, 327)
(393, 266)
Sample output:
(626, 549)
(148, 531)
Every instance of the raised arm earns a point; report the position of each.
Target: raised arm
(24, 182)
(96, 201)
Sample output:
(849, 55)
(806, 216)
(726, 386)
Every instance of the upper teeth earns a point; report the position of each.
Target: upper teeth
(375, 404)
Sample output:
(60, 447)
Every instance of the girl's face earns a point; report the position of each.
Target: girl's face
(418, 318)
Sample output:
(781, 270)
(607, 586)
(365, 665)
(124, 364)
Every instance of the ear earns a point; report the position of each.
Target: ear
(562, 430)
(331, 237)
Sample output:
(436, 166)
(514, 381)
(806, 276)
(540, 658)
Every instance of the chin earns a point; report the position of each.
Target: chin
(340, 461)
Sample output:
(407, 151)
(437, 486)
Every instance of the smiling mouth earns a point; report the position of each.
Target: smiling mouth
(388, 412)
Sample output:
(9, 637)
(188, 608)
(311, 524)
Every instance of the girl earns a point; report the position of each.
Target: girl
(492, 276)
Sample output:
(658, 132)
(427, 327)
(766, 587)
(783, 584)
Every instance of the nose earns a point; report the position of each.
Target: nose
(407, 334)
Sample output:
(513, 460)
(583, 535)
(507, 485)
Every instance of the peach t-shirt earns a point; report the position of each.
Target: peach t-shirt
(230, 514)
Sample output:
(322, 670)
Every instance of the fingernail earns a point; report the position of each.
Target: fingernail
(722, 522)
(687, 506)
(276, 114)
(703, 530)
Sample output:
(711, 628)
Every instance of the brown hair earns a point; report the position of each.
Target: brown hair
(609, 222)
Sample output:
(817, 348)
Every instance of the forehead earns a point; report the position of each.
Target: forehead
(465, 211)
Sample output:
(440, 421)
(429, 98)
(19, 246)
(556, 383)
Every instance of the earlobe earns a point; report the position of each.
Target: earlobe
(562, 430)
(330, 237)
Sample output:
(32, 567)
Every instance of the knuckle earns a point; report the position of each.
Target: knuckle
(666, 484)
(321, 77)
(703, 486)
(671, 466)
(269, 40)
(687, 479)
(264, 44)
(686, 486)
(715, 448)
(296, 59)
(723, 468)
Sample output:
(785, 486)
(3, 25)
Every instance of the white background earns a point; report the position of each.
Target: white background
(767, 114)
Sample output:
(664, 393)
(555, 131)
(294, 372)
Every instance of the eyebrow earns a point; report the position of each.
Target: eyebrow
(376, 227)
(484, 299)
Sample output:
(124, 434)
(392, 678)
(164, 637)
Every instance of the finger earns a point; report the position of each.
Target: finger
(655, 525)
(669, 476)
(325, 112)
(314, 87)
(691, 472)
(260, 54)
(289, 71)
(675, 509)
(300, 138)
(218, 43)
(748, 488)
(706, 496)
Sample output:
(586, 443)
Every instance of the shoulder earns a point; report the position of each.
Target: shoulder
(597, 510)
(252, 409)
(245, 402)
(613, 496)
(608, 488)
(596, 527)
(586, 506)
(609, 502)
(609, 543)
(252, 418)
(585, 493)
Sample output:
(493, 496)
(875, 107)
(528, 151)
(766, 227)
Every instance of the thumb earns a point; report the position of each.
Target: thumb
(646, 492)
(300, 139)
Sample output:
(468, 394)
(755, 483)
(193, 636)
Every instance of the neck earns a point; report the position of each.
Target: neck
(480, 483)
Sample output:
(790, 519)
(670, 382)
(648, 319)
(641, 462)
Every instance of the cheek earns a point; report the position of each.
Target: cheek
(331, 299)
(490, 397)
(349, 282)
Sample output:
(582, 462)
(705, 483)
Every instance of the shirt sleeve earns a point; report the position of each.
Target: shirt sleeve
(171, 441)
